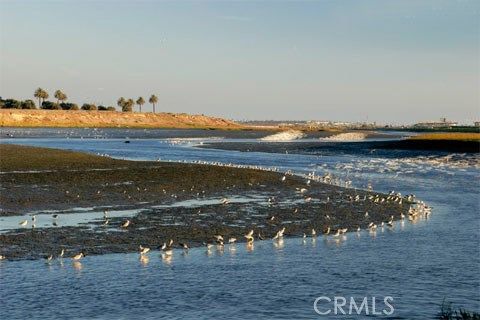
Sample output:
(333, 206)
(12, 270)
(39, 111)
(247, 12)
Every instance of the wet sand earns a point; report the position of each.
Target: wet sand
(36, 179)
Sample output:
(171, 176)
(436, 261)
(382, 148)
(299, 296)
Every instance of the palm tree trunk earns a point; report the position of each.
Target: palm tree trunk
(153, 107)
(39, 103)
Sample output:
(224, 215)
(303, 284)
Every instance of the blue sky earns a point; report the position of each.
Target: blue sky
(387, 61)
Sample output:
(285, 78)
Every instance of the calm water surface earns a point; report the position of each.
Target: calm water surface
(418, 264)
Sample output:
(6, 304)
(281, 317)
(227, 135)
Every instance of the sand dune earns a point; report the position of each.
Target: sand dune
(68, 118)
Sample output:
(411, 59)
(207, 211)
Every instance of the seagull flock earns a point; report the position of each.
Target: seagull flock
(416, 209)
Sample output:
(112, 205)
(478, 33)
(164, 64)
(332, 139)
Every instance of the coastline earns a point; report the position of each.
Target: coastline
(99, 182)
(109, 119)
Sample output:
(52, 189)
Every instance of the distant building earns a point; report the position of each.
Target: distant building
(477, 123)
(443, 123)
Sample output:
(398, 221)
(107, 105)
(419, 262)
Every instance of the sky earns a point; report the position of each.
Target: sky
(396, 61)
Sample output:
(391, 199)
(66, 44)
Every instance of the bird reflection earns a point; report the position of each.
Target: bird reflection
(167, 258)
(250, 246)
(144, 259)
(77, 265)
(279, 244)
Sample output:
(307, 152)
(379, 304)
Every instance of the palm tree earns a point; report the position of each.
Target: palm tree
(60, 96)
(128, 105)
(153, 99)
(121, 102)
(140, 102)
(41, 95)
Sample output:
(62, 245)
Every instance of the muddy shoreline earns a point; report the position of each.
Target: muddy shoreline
(36, 179)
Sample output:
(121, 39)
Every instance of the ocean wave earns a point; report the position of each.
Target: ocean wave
(348, 136)
(284, 136)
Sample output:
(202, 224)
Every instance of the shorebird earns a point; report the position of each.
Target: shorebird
(279, 234)
(23, 223)
(105, 214)
(143, 250)
(304, 235)
(260, 236)
(372, 226)
(78, 256)
(326, 231)
(126, 224)
(106, 222)
(183, 245)
(218, 238)
(249, 236)
(2, 257)
(49, 258)
(366, 214)
(34, 218)
(224, 201)
(314, 233)
(284, 178)
(344, 230)
(55, 216)
(208, 245)
(337, 233)
(358, 229)
(232, 240)
(61, 253)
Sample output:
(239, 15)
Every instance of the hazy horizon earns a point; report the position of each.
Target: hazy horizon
(383, 61)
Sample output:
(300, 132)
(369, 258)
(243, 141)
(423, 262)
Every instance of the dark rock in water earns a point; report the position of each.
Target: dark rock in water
(127, 141)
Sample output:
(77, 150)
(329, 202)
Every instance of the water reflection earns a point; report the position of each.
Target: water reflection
(144, 260)
(279, 243)
(167, 258)
(77, 265)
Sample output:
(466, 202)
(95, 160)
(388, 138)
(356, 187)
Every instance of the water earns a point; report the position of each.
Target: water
(418, 264)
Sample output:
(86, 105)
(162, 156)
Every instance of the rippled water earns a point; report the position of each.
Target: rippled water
(418, 264)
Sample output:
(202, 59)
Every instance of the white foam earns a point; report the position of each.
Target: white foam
(284, 136)
(348, 136)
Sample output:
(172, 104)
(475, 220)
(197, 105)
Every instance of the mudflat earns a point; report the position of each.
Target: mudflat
(34, 180)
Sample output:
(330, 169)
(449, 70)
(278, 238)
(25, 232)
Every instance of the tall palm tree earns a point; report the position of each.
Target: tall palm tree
(140, 102)
(121, 102)
(153, 100)
(60, 96)
(41, 95)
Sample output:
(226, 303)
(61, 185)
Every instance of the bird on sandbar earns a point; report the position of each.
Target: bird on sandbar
(23, 223)
(78, 256)
(326, 231)
(143, 250)
(126, 224)
(249, 236)
(279, 234)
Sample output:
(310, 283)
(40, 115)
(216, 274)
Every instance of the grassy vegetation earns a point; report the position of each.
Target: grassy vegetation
(459, 136)
(448, 313)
